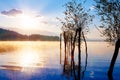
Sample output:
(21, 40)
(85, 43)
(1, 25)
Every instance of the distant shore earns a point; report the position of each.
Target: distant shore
(7, 35)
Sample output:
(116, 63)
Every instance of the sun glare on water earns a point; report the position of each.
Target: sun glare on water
(28, 58)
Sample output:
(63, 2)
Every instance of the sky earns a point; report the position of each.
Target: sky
(38, 16)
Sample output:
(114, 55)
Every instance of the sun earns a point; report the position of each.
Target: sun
(27, 21)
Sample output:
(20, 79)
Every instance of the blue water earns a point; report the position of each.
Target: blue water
(46, 66)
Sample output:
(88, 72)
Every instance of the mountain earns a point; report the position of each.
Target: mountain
(8, 35)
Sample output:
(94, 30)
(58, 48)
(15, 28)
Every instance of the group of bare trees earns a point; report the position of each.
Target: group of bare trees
(75, 26)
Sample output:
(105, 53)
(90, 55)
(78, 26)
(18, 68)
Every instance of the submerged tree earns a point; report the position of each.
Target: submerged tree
(75, 23)
(109, 10)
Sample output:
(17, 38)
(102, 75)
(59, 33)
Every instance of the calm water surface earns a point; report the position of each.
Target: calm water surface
(40, 60)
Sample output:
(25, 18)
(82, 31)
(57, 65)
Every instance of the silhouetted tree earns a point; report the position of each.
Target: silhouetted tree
(109, 10)
(79, 17)
(76, 20)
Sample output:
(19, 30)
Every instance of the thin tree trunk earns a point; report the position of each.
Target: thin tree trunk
(117, 45)
(85, 48)
(86, 55)
(60, 48)
(79, 54)
(69, 47)
(72, 54)
(64, 51)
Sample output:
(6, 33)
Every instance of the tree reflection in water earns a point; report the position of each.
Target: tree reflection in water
(68, 69)
(70, 66)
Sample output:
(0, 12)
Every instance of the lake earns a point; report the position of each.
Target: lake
(40, 60)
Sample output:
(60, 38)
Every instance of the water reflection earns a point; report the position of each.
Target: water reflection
(28, 58)
(22, 58)
(27, 55)
(8, 67)
(70, 69)
(25, 59)
(100, 54)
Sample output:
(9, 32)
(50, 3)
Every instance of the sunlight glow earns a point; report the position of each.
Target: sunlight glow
(28, 58)
(27, 21)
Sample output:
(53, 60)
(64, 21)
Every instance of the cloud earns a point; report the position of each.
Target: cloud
(12, 12)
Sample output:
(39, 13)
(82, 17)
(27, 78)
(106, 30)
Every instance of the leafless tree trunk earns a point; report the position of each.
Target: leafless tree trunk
(65, 51)
(79, 53)
(117, 46)
(60, 48)
(86, 55)
(72, 54)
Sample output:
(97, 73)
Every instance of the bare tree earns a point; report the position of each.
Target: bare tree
(76, 20)
(109, 10)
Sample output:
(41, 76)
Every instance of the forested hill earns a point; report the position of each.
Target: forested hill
(8, 35)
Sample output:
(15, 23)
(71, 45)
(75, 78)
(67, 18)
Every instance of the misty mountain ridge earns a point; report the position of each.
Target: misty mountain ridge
(9, 35)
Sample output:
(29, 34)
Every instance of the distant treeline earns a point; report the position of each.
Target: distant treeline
(7, 35)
